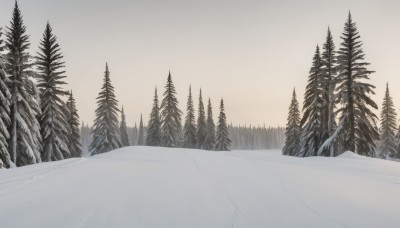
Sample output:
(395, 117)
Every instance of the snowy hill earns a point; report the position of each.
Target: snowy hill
(157, 187)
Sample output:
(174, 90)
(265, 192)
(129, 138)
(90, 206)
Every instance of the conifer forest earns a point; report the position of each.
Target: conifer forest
(203, 114)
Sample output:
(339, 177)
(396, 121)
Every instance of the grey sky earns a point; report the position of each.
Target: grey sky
(251, 53)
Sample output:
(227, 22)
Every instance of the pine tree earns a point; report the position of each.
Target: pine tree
(387, 146)
(25, 140)
(53, 120)
(209, 143)
(135, 133)
(329, 83)
(311, 123)
(73, 136)
(5, 96)
(223, 142)
(189, 129)
(154, 126)
(140, 141)
(201, 132)
(106, 135)
(83, 137)
(357, 123)
(171, 128)
(397, 155)
(123, 129)
(86, 137)
(293, 131)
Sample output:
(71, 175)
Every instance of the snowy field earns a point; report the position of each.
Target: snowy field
(157, 187)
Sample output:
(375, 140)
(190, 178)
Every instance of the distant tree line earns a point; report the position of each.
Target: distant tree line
(243, 137)
(256, 138)
(338, 111)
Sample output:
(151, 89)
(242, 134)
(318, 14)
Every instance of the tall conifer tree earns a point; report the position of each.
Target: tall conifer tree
(141, 141)
(189, 129)
(311, 122)
(135, 133)
(53, 120)
(387, 146)
(154, 125)
(357, 122)
(201, 132)
(74, 144)
(397, 155)
(171, 128)
(223, 142)
(25, 139)
(123, 129)
(5, 96)
(209, 143)
(106, 136)
(329, 83)
(293, 131)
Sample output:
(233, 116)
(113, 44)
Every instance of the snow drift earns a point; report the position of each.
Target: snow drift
(158, 187)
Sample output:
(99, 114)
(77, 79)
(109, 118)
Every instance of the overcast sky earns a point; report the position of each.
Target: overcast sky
(251, 53)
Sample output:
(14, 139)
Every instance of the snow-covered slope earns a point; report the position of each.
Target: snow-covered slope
(157, 187)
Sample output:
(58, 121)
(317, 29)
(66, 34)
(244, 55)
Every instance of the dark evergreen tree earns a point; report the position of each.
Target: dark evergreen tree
(134, 134)
(189, 129)
(329, 83)
(106, 135)
(293, 131)
(171, 128)
(154, 125)
(223, 141)
(74, 144)
(311, 123)
(387, 146)
(141, 141)
(357, 122)
(397, 155)
(209, 143)
(123, 129)
(201, 132)
(86, 137)
(25, 139)
(53, 120)
(5, 96)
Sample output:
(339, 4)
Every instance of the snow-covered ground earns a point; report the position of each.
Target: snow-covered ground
(157, 187)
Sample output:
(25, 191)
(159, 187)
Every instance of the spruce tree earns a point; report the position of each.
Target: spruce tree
(74, 144)
(311, 123)
(135, 133)
(140, 141)
(154, 125)
(189, 129)
(171, 127)
(123, 129)
(357, 122)
(25, 139)
(209, 143)
(106, 135)
(328, 84)
(53, 120)
(397, 155)
(201, 132)
(85, 137)
(387, 146)
(5, 96)
(293, 131)
(223, 142)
